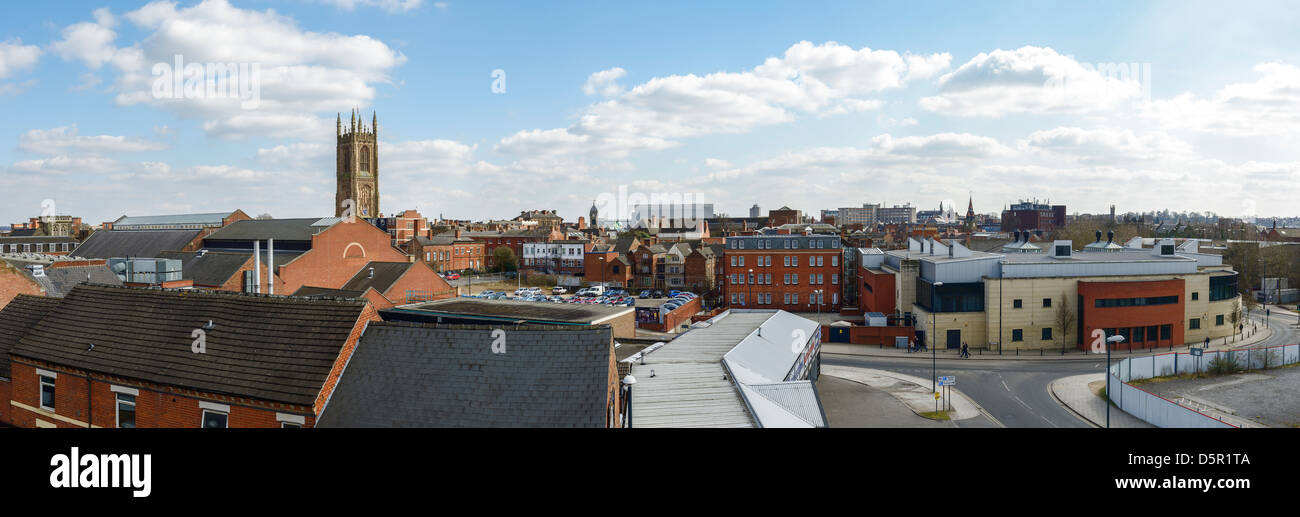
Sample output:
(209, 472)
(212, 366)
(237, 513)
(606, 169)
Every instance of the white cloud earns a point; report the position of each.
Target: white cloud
(65, 139)
(816, 79)
(1268, 106)
(1028, 80)
(392, 6)
(1110, 146)
(15, 56)
(83, 166)
(604, 82)
(299, 73)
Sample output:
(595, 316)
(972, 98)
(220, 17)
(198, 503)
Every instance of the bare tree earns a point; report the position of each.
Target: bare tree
(1235, 317)
(1065, 319)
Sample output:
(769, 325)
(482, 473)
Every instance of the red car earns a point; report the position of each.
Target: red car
(452, 276)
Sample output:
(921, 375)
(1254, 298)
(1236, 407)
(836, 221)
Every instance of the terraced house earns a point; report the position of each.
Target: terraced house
(108, 356)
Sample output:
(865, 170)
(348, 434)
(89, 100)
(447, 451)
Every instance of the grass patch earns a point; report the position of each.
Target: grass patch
(935, 415)
(1166, 378)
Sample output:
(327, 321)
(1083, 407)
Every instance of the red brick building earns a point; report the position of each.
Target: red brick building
(795, 273)
(1147, 314)
(319, 252)
(513, 239)
(877, 290)
(783, 216)
(450, 251)
(177, 358)
(387, 284)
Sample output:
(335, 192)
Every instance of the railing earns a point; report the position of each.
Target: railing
(1162, 412)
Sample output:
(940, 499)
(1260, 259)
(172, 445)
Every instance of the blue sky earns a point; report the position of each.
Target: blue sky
(811, 105)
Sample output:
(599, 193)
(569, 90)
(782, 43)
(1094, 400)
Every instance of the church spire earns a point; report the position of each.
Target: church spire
(354, 121)
(374, 124)
(338, 124)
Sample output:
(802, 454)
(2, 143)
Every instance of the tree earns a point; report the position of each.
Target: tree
(1235, 317)
(504, 258)
(1065, 320)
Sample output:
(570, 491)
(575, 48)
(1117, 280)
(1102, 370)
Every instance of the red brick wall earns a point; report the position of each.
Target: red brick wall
(156, 406)
(336, 255)
(13, 283)
(877, 291)
(832, 292)
(420, 277)
(864, 335)
(676, 317)
(367, 316)
(6, 394)
(1135, 316)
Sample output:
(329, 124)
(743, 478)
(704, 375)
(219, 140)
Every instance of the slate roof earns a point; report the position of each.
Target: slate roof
(106, 244)
(273, 348)
(326, 292)
(263, 229)
(405, 375)
(513, 310)
(386, 274)
(60, 280)
(208, 219)
(16, 319)
(212, 268)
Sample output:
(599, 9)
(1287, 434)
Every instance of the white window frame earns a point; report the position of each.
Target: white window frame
(286, 418)
(117, 407)
(54, 389)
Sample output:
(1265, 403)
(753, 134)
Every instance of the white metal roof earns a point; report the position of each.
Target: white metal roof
(690, 386)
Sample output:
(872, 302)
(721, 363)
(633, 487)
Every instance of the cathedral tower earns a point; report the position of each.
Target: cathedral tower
(357, 156)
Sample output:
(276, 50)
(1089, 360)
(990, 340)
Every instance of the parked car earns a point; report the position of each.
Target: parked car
(657, 294)
(673, 293)
(644, 294)
(559, 290)
(452, 275)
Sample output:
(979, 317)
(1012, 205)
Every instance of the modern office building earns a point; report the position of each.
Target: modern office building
(1153, 297)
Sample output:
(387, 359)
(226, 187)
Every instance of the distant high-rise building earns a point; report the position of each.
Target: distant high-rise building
(904, 214)
(755, 211)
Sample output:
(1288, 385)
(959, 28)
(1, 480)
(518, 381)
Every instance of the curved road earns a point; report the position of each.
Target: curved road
(1015, 392)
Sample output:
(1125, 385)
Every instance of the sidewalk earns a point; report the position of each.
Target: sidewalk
(911, 391)
(1080, 394)
(1039, 355)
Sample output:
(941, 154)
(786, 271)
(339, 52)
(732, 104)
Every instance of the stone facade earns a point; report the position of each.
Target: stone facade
(357, 155)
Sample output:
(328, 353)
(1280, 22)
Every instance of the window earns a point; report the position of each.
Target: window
(794, 298)
(290, 425)
(740, 260)
(1196, 295)
(1131, 302)
(835, 261)
(821, 261)
(1015, 304)
(794, 261)
(125, 410)
(1017, 335)
(1194, 323)
(787, 261)
(733, 260)
(47, 393)
(1047, 333)
(1047, 302)
(835, 298)
(1166, 331)
(215, 419)
(1218, 320)
(835, 278)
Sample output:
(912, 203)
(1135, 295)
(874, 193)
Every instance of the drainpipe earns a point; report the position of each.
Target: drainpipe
(257, 266)
(270, 266)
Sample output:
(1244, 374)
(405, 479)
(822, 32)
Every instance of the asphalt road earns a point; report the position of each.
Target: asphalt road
(1015, 392)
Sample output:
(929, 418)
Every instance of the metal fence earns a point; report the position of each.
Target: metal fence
(1162, 412)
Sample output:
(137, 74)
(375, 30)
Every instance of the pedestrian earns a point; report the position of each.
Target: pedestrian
(1207, 341)
(965, 351)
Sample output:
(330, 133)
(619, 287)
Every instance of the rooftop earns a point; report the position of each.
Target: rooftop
(515, 311)
(686, 384)
(410, 375)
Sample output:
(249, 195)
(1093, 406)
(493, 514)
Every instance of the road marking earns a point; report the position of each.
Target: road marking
(1098, 365)
(1017, 397)
(1004, 386)
(1051, 422)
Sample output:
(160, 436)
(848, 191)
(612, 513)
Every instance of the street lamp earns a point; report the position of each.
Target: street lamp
(1109, 340)
(934, 338)
(628, 381)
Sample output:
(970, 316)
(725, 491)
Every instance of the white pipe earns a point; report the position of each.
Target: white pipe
(270, 266)
(257, 266)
